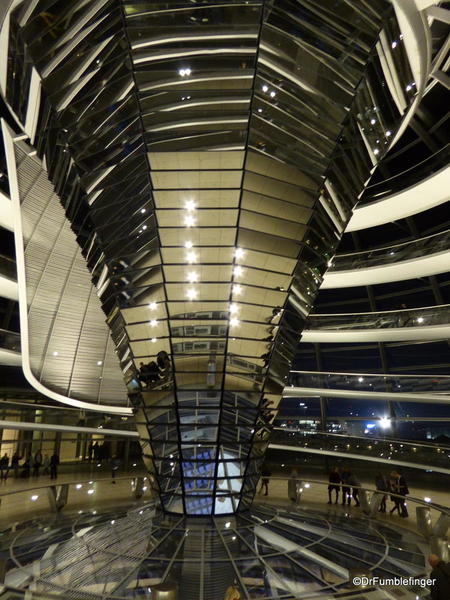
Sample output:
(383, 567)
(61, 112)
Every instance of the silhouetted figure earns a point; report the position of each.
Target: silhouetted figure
(26, 468)
(15, 464)
(334, 481)
(382, 485)
(440, 590)
(403, 490)
(163, 362)
(293, 485)
(393, 488)
(4, 467)
(115, 464)
(346, 496)
(37, 463)
(355, 483)
(265, 474)
(54, 462)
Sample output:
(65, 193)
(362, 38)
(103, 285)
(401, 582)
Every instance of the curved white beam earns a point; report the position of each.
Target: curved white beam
(6, 218)
(8, 288)
(27, 426)
(423, 266)
(22, 288)
(430, 192)
(10, 358)
(390, 334)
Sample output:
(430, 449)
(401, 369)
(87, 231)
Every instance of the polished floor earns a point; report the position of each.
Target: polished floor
(106, 544)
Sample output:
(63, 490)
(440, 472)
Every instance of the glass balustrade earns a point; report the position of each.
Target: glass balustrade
(7, 266)
(407, 178)
(10, 340)
(432, 244)
(427, 455)
(408, 317)
(372, 382)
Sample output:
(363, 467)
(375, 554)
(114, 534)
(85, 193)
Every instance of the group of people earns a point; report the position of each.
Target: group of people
(32, 465)
(154, 371)
(347, 483)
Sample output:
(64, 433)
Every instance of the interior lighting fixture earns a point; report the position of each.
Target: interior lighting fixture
(237, 289)
(191, 294)
(307, 485)
(144, 227)
(190, 205)
(153, 323)
(394, 45)
(34, 497)
(227, 525)
(188, 244)
(388, 133)
(427, 499)
(373, 121)
(234, 308)
(192, 277)
(234, 322)
(79, 486)
(154, 340)
(237, 271)
(265, 88)
(184, 72)
(376, 151)
(191, 257)
(273, 94)
(239, 253)
(113, 521)
(152, 305)
(360, 379)
(420, 319)
(90, 492)
(408, 87)
(142, 210)
(260, 110)
(55, 353)
(99, 363)
(189, 221)
(385, 423)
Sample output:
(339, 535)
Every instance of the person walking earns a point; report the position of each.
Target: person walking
(115, 464)
(356, 484)
(440, 589)
(293, 486)
(403, 490)
(46, 465)
(4, 467)
(15, 464)
(54, 462)
(265, 474)
(37, 463)
(382, 486)
(334, 480)
(393, 488)
(346, 496)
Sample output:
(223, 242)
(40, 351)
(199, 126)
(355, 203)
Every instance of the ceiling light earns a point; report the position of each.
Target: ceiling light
(360, 379)
(237, 271)
(153, 323)
(420, 319)
(234, 322)
(373, 121)
(237, 289)
(189, 221)
(234, 308)
(376, 151)
(388, 133)
(34, 497)
(152, 306)
(142, 210)
(190, 205)
(427, 499)
(99, 363)
(191, 294)
(153, 340)
(188, 244)
(79, 486)
(384, 423)
(227, 525)
(265, 88)
(90, 492)
(191, 257)
(239, 252)
(394, 45)
(273, 94)
(144, 226)
(55, 353)
(192, 277)
(260, 110)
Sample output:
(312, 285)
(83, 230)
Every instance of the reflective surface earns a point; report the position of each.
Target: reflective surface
(267, 553)
(208, 158)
